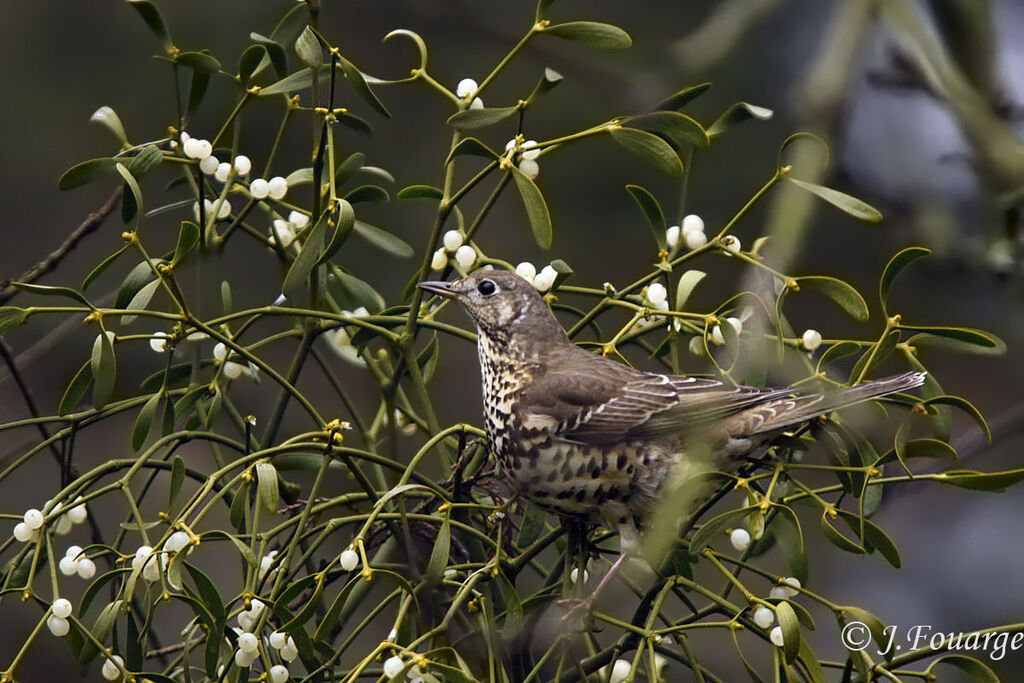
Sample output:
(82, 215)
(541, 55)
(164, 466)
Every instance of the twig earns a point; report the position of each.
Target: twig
(92, 222)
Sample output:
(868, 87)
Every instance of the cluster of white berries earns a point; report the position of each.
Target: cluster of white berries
(740, 539)
(810, 340)
(464, 255)
(657, 296)
(223, 208)
(622, 668)
(285, 231)
(58, 622)
(178, 541)
(249, 643)
(149, 563)
(465, 88)
(789, 587)
(275, 188)
(528, 155)
(542, 281)
(232, 369)
(247, 618)
(349, 559)
(197, 148)
(691, 232)
(30, 528)
(266, 562)
(73, 563)
(716, 332)
(341, 341)
(112, 667)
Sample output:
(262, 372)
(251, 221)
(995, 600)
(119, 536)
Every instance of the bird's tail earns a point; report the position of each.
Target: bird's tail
(802, 407)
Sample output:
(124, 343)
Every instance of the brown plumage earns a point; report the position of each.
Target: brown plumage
(588, 437)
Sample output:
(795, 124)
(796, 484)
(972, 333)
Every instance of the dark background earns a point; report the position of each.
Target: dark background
(896, 147)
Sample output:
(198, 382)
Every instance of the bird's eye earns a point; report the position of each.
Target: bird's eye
(486, 287)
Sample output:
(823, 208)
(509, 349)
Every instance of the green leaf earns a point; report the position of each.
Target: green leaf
(383, 240)
(471, 147)
(275, 51)
(851, 205)
(148, 158)
(652, 210)
(308, 48)
(244, 550)
(100, 630)
(356, 123)
(197, 89)
(420, 192)
(188, 238)
(47, 290)
(874, 624)
(982, 481)
(297, 278)
(208, 594)
(10, 317)
(683, 97)
(108, 118)
(593, 33)
(837, 539)
(86, 172)
(140, 301)
(251, 63)
(367, 193)
(300, 80)
(970, 338)
(977, 670)
(177, 479)
(143, 422)
(835, 352)
(874, 538)
(687, 282)
(127, 212)
(532, 526)
(548, 82)
(967, 407)
(355, 292)
(882, 351)
(790, 630)
(98, 270)
(649, 146)
(355, 77)
(266, 475)
(439, 555)
(201, 62)
(842, 293)
(345, 221)
(679, 128)
(151, 15)
(738, 113)
(104, 369)
(920, 448)
(239, 502)
(76, 389)
(716, 526)
(896, 265)
(135, 280)
(470, 119)
(536, 208)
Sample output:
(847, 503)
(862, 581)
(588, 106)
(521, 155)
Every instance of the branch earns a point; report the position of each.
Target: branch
(92, 222)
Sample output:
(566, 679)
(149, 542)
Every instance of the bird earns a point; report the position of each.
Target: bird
(591, 439)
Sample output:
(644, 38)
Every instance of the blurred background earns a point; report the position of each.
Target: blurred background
(921, 104)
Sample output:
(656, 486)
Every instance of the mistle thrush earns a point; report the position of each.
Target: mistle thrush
(588, 437)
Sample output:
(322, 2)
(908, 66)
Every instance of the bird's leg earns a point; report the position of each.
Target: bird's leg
(629, 540)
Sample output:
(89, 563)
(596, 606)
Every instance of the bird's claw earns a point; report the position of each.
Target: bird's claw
(577, 609)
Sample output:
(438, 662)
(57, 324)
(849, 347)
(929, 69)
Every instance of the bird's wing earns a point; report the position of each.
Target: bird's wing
(606, 401)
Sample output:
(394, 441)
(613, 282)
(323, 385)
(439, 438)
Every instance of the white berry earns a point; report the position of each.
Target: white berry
(656, 293)
(63, 525)
(209, 165)
(452, 240)
(530, 151)
(223, 172)
(278, 640)
(764, 617)
(527, 271)
(298, 219)
(247, 642)
(177, 541)
(529, 168)
(465, 256)
(791, 585)
(672, 236)
(242, 164)
(775, 635)
(78, 513)
(620, 671)
(811, 339)
(61, 608)
(22, 533)
(439, 260)
(243, 659)
(393, 666)
(58, 626)
(86, 568)
(68, 566)
(259, 188)
(694, 239)
(693, 222)
(545, 279)
(193, 148)
(732, 243)
(112, 668)
(477, 103)
(740, 539)
(33, 519)
(697, 346)
(158, 343)
(466, 87)
(278, 674)
(349, 560)
(574, 575)
(277, 187)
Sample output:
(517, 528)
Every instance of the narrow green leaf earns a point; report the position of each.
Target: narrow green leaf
(252, 61)
(140, 301)
(716, 526)
(649, 146)
(874, 538)
(104, 369)
(842, 293)
(838, 351)
(439, 555)
(345, 220)
(98, 270)
(688, 281)
(593, 33)
(532, 526)
(108, 118)
(177, 479)
(679, 128)
(47, 290)
(957, 340)
(790, 630)
(86, 172)
(151, 15)
(967, 407)
(367, 193)
(683, 97)
(652, 210)
(300, 80)
(536, 208)
(895, 266)
(200, 62)
(356, 78)
(874, 624)
(738, 113)
(236, 513)
(208, 593)
(275, 51)
(383, 240)
(76, 389)
(976, 669)
(135, 193)
(135, 280)
(837, 539)
(308, 48)
(188, 238)
(471, 119)
(851, 205)
(982, 481)
(243, 549)
(266, 475)
(420, 192)
(471, 147)
(143, 422)
(100, 630)
(297, 278)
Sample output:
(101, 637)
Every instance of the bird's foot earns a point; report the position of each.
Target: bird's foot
(577, 610)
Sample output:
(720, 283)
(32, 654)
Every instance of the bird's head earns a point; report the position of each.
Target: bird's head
(502, 304)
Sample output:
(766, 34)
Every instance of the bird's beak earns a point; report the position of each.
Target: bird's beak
(440, 288)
